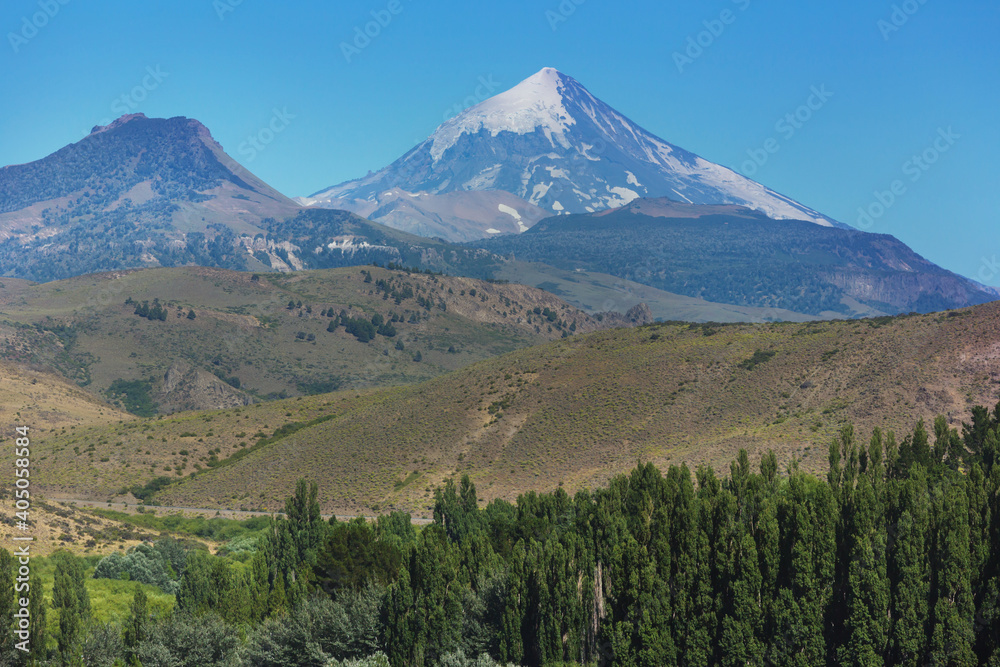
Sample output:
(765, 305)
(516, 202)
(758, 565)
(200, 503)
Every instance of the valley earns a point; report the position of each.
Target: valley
(546, 390)
(568, 414)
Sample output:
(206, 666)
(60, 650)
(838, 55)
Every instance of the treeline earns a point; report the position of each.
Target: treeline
(154, 311)
(894, 558)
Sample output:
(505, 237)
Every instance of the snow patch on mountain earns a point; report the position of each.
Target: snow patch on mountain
(551, 143)
(534, 104)
(512, 212)
(624, 196)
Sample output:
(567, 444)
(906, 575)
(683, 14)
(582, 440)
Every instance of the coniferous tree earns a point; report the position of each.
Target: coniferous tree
(942, 439)
(136, 628)
(424, 605)
(739, 643)
(808, 528)
(921, 445)
(258, 586)
(72, 602)
(204, 581)
(235, 603)
(38, 637)
(8, 606)
(952, 608)
(974, 434)
(909, 571)
(300, 533)
(277, 601)
(984, 560)
(867, 591)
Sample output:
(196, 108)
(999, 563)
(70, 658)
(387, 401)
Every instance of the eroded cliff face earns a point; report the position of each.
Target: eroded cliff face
(921, 292)
(188, 388)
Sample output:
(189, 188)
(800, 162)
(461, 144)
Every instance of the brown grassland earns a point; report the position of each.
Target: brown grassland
(571, 412)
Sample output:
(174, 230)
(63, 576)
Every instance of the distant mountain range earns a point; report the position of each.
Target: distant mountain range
(554, 146)
(544, 173)
(147, 192)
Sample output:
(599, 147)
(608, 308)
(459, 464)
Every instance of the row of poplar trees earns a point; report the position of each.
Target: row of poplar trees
(892, 559)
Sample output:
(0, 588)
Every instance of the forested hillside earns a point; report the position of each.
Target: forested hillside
(894, 558)
(737, 256)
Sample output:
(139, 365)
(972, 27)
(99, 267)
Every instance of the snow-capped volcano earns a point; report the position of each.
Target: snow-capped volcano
(534, 105)
(550, 142)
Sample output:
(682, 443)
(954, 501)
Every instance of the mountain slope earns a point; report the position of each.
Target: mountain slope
(138, 192)
(734, 255)
(228, 338)
(135, 157)
(43, 401)
(145, 192)
(550, 142)
(460, 216)
(571, 412)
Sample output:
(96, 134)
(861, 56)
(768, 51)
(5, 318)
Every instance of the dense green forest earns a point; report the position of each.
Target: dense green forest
(894, 558)
(744, 259)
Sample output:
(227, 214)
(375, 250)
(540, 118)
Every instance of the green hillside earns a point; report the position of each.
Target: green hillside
(572, 412)
(240, 337)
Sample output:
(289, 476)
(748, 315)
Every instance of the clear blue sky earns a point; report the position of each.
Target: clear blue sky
(892, 90)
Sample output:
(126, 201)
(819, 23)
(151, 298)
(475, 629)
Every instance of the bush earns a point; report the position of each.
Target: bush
(360, 328)
(317, 386)
(459, 659)
(236, 547)
(184, 640)
(142, 563)
(103, 644)
(146, 492)
(759, 357)
(319, 631)
(134, 395)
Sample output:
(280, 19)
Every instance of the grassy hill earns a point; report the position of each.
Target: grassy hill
(571, 412)
(43, 400)
(237, 337)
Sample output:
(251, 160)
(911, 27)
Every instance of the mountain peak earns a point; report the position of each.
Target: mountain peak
(546, 78)
(555, 145)
(118, 122)
(136, 192)
(537, 103)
